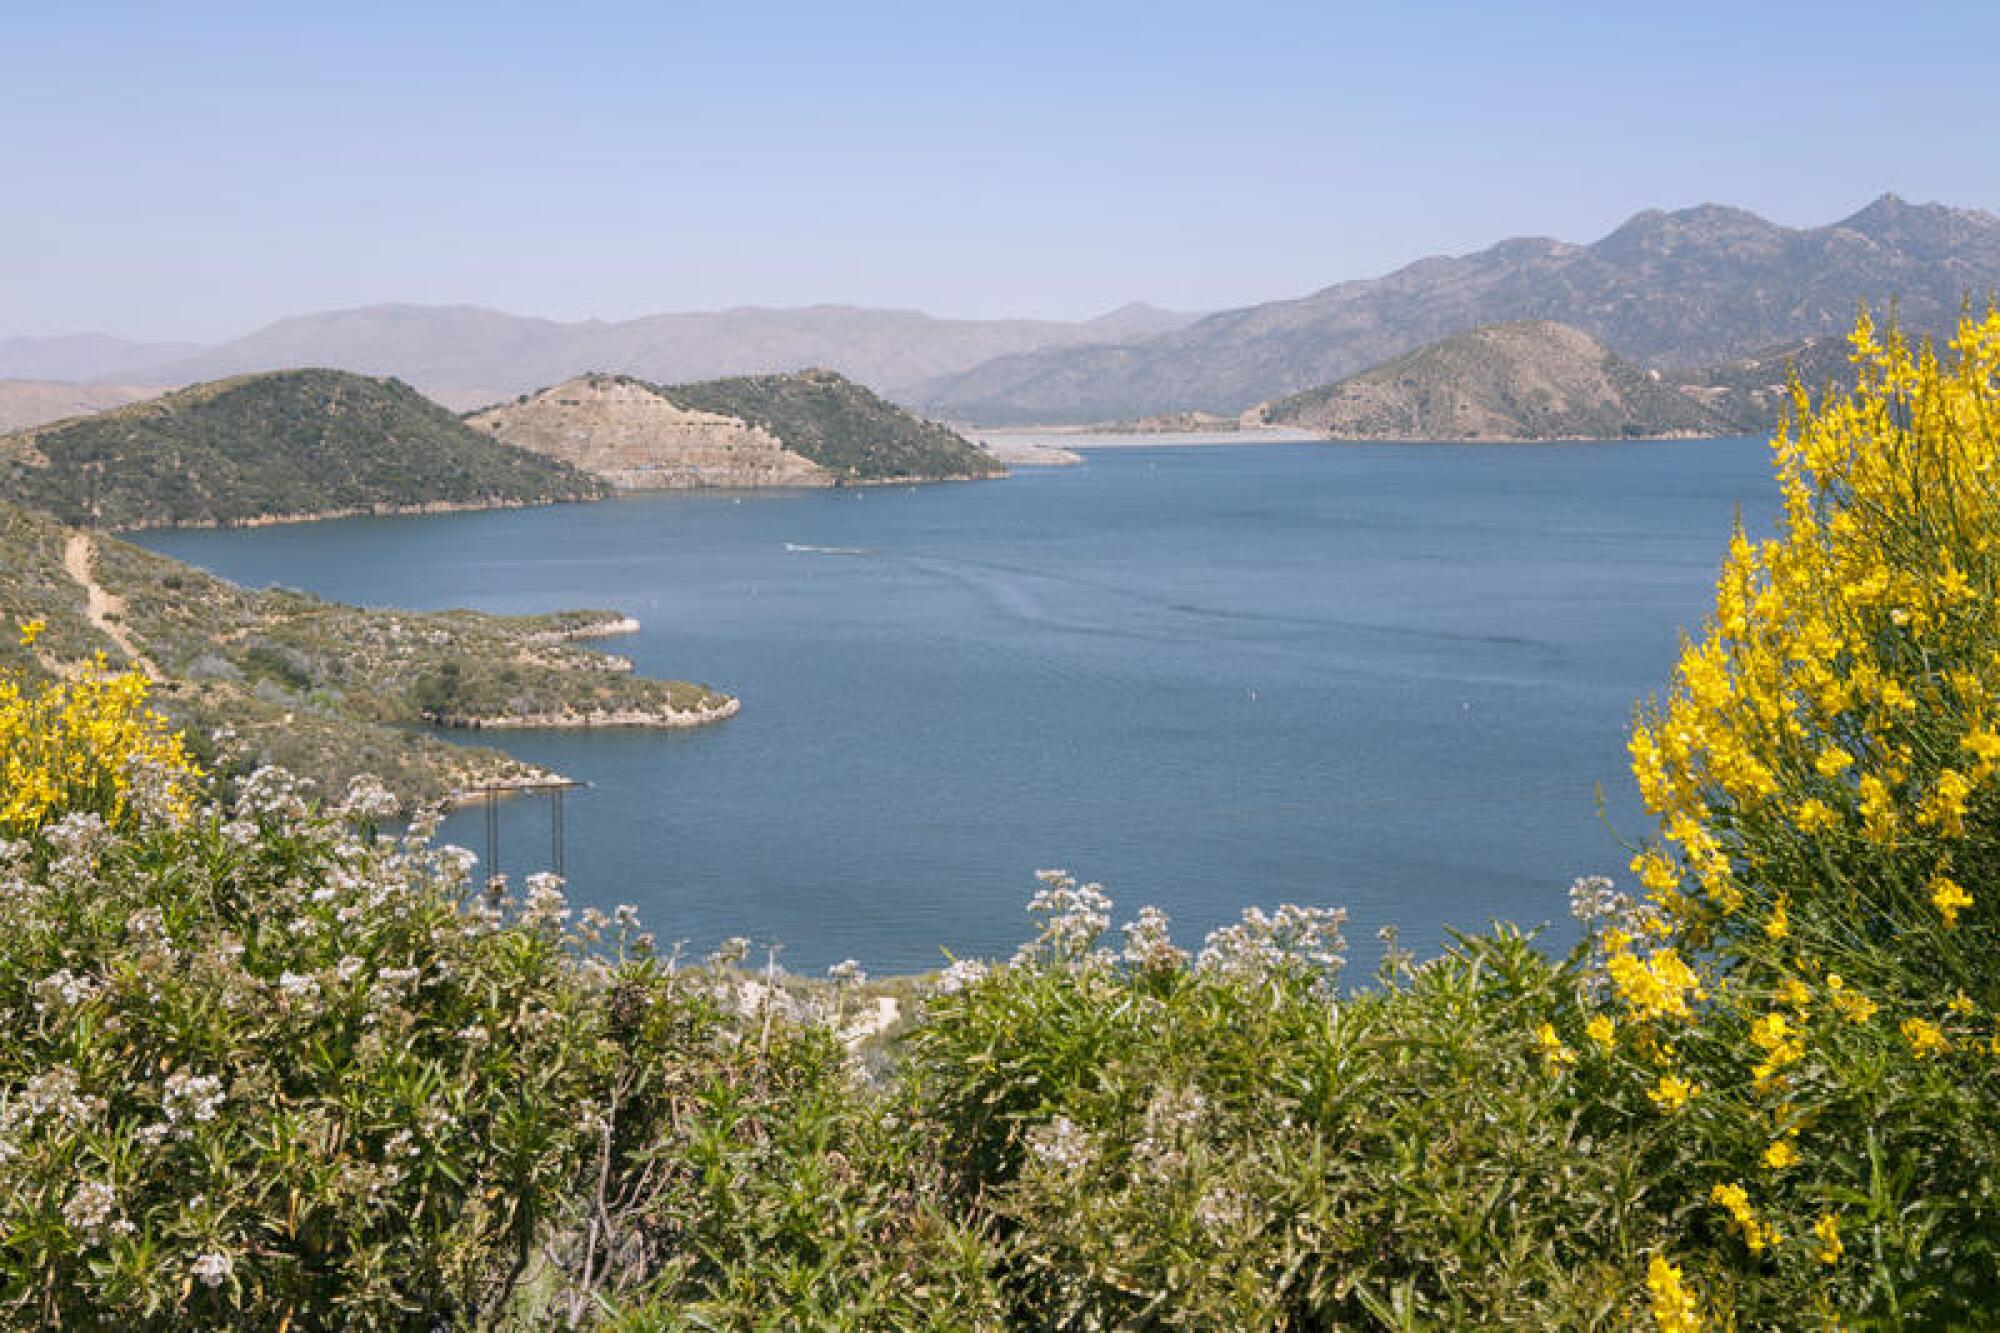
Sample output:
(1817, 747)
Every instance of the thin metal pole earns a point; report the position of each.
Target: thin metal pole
(556, 829)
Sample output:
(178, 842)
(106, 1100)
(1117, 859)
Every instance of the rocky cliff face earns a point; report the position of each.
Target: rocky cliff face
(633, 436)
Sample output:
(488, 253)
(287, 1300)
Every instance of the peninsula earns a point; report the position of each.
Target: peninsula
(325, 690)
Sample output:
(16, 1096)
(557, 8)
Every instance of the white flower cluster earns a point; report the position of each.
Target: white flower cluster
(1173, 1116)
(1262, 946)
(90, 1205)
(64, 990)
(213, 1269)
(1599, 907)
(368, 800)
(546, 903)
(1149, 943)
(50, 1095)
(274, 792)
(846, 973)
(962, 973)
(77, 840)
(1060, 1145)
(1073, 915)
(298, 986)
(192, 1097)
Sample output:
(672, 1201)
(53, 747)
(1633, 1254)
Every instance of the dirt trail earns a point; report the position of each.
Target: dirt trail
(99, 605)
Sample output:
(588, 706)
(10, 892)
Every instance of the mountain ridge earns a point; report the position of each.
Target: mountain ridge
(1696, 286)
(471, 356)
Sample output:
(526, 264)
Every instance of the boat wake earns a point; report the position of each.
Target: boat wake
(825, 550)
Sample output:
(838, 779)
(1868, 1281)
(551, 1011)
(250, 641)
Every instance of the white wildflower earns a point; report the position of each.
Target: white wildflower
(368, 800)
(191, 1096)
(1293, 940)
(962, 973)
(546, 904)
(90, 1206)
(213, 1268)
(846, 973)
(1073, 915)
(64, 990)
(1060, 1145)
(298, 985)
(1149, 943)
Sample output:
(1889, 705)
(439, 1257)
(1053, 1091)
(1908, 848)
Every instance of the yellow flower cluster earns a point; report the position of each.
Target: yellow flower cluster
(1675, 1309)
(1672, 1092)
(90, 744)
(1807, 711)
(1554, 1053)
(1735, 1201)
(1656, 986)
(1925, 1037)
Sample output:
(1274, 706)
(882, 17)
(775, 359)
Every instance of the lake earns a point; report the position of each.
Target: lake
(1390, 677)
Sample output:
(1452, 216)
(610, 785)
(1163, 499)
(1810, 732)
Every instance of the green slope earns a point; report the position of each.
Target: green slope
(293, 443)
(845, 428)
(1534, 380)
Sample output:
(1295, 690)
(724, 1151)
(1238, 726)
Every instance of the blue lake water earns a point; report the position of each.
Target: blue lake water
(1388, 677)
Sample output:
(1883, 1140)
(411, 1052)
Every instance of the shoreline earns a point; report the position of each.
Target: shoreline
(669, 719)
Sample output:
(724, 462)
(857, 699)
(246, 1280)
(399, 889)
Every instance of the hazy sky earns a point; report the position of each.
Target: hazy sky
(193, 170)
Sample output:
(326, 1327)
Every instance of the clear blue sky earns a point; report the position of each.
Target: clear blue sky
(193, 170)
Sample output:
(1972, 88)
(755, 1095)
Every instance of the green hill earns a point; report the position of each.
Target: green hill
(1750, 392)
(1534, 380)
(850, 431)
(288, 444)
(326, 690)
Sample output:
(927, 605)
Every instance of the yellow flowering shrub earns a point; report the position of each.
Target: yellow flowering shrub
(88, 745)
(1825, 773)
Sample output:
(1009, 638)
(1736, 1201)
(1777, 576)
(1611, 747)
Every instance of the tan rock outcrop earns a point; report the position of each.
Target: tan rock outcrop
(635, 438)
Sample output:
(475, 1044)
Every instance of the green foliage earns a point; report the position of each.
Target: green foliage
(284, 444)
(1234, 1145)
(840, 425)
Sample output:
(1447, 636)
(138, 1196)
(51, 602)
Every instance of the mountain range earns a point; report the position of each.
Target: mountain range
(467, 356)
(1691, 288)
(1700, 287)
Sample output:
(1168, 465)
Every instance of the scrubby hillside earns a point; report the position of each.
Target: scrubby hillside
(1534, 380)
(318, 686)
(814, 428)
(848, 430)
(634, 436)
(288, 444)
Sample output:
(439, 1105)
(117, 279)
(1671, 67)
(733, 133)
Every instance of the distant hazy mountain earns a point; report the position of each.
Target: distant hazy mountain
(26, 403)
(84, 356)
(1696, 287)
(1533, 380)
(469, 356)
